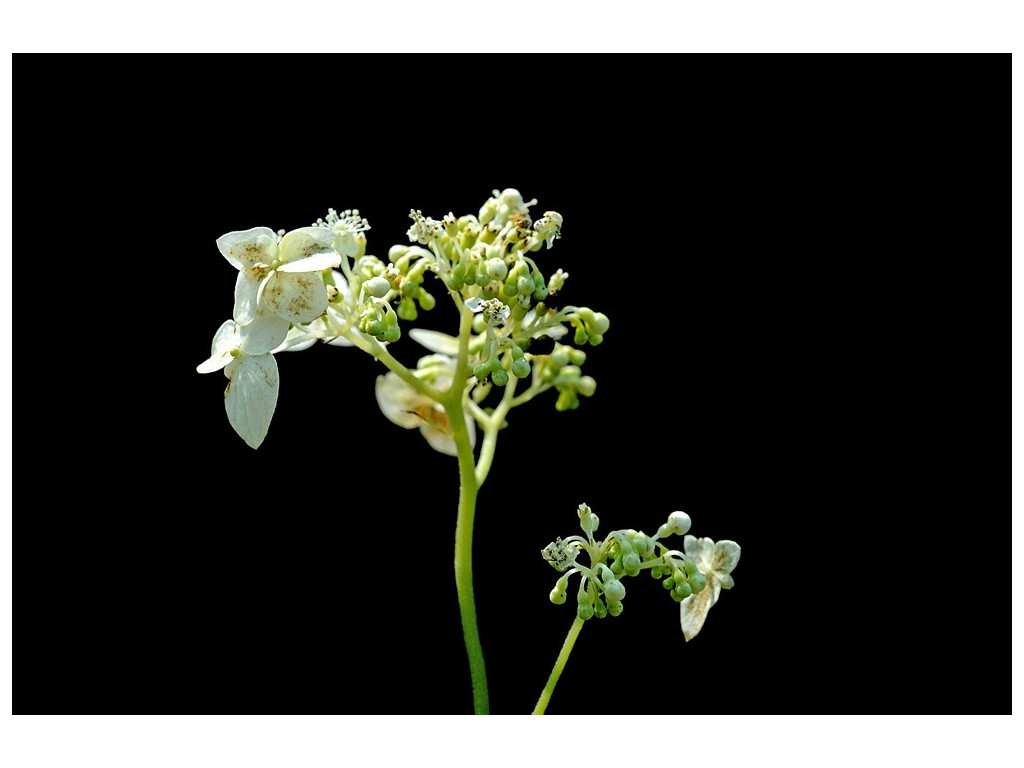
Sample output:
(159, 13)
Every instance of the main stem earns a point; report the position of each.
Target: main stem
(556, 672)
(468, 490)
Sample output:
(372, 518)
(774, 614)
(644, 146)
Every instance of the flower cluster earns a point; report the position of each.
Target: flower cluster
(319, 284)
(693, 578)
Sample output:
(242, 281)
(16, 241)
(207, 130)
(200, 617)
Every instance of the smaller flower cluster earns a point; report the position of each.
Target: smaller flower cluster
(693, 578)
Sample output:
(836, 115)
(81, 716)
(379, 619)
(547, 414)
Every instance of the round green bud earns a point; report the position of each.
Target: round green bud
(395, 252)
(668, 583)
(656, 572)
(456, 283)
(525, 286)
(614, 590)
(426, 300)
(690, 567)
(521, 368)
(406, 309)
(617, 565)
(392, 334)
(481, 371)
(586, 386)
(557, 597)
(580, 337)
(698, 581)
(496, 269)
(614, 607)
(377, 287)
(641, 544)
(585, 611)
(631, 564)
(582, 597)
(499, 377)
(596, 338)
(374, 328)
(681, 590)
(599, 610)
(510, 289)
(517, 352)
(679, 522)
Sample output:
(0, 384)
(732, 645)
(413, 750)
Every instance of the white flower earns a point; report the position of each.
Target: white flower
(280, 277)
(495, 311)
(244, 353)
(348, 227)
(404, 406)
(716, 562)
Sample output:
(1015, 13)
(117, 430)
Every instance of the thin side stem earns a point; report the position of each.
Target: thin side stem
(556, 671)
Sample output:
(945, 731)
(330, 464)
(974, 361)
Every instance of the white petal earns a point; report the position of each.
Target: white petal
(725, 557)
(297, 297)
(247, 248)
(340, 341)
(440, 439)
(224, 340)
(300, 243)
(316, 263)
(398, 401)
(725, 580)
(699, 550)
(251, 396)
(555, 331)
(298, 339)
(246, 289)
(263, 334)
(435, 341)
(693, 610)
(474, 304)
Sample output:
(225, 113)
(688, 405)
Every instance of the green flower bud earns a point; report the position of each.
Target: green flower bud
(525, 286)
(681, 591)
(426, 300)
(392, 334)
(377, 287)
(679, 522)
(631, 564)
(580, 337)
(656, 572)
(596, 338)
(614, 607)
(521, 368)
(499, 377)
(577, 356)
(589, 522)
(510, 289)
(374, 328)
(496, 269)
(690, 567)
(599, 610)
(582, 597)
(557, 597)
(395, 252)
(456, 283)
(585, 611)
(567, 400)
(668, 583)
(614, 590)
(697, 582)
(406, 309)
(617, 565)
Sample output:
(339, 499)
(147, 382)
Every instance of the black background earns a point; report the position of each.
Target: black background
(767, 237)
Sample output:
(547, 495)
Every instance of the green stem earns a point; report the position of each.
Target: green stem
(556, 671)
(377, 350)
(468, 490)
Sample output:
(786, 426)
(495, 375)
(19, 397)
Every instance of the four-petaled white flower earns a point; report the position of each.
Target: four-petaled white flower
(716, 562)
(404, 406)
(244, 354)
(495, 311)
(280, 277)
